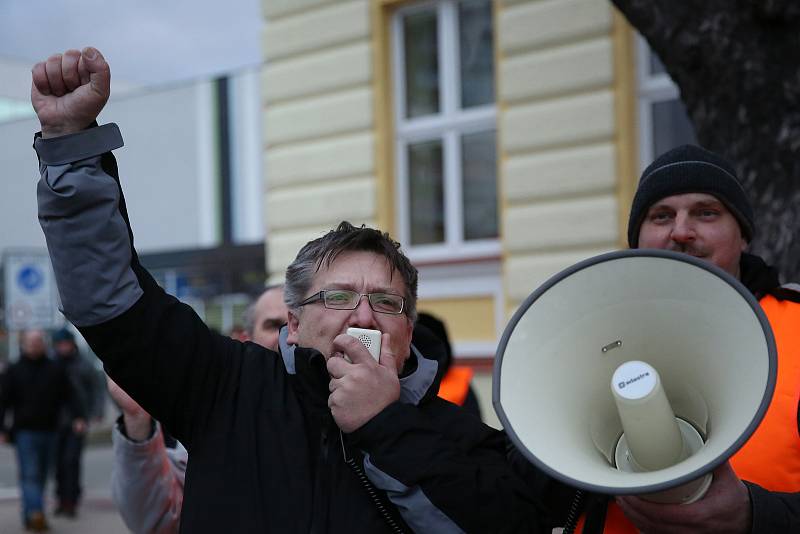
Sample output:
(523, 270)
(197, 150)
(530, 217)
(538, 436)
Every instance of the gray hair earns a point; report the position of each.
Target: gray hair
(346, 237)
(249, 315)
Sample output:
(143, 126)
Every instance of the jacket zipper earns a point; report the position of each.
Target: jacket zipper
(372, 492)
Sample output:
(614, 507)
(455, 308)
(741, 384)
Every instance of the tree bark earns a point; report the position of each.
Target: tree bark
(737, 65)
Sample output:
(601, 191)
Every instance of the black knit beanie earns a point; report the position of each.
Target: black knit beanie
(689, 169)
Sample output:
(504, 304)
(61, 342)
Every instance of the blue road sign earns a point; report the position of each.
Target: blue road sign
(30, 278)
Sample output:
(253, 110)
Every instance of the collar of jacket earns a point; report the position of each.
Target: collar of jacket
(308, 365)
(756, 275)
(762, 279)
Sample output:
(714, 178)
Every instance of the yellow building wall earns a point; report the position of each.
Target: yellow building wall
(565, 128)
(318, 122)
(564, 170)
(467, 318)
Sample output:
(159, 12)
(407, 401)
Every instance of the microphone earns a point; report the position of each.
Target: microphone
(653, 438)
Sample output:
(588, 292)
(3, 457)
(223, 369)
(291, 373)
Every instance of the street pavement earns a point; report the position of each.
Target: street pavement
(97, 513)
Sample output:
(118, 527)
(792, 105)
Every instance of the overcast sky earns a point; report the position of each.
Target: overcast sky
(145, 41)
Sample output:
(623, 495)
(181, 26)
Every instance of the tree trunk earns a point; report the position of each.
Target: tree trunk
(737, 65)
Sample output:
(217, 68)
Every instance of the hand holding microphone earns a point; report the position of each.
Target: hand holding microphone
(362, 387)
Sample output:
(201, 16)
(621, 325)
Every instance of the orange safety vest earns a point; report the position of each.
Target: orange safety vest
(455, 384)
(771, 457)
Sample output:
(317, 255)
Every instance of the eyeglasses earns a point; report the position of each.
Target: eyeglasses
(344, 299)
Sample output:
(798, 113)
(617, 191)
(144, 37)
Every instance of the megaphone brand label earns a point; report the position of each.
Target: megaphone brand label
(634, 379)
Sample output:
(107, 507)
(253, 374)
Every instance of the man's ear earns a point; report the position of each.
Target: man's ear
(293, 325)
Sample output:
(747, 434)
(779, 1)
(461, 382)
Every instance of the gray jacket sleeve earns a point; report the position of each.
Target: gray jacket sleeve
(147, 483)
(78, 211)
(155, 347)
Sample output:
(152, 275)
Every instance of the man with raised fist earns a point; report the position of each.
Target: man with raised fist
(315, 437)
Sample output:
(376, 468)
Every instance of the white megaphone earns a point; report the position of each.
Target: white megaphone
(635, 372)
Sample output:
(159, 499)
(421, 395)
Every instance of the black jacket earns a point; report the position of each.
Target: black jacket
(265, 453)
(35, 391)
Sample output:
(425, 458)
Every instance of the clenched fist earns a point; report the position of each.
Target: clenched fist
(69, 90)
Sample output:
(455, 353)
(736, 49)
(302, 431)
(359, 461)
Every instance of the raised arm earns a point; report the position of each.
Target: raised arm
(79, 205)
(150, 343)
(146, 478)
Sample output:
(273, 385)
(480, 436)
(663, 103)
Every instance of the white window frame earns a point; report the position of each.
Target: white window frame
(448, 125)
(653, 88)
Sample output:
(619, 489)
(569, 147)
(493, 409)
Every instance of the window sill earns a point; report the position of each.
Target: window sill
(432, 255)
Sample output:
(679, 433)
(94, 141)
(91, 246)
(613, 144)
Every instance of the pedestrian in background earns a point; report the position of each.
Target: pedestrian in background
(69, 441)
(33, 390)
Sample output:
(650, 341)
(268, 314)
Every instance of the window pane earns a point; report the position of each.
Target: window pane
(671, 126)
(476, 52)
(426, 192)
(479, 170)
(422, 63)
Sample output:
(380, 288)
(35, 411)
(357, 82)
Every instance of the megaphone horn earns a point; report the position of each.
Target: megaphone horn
(635, 372)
